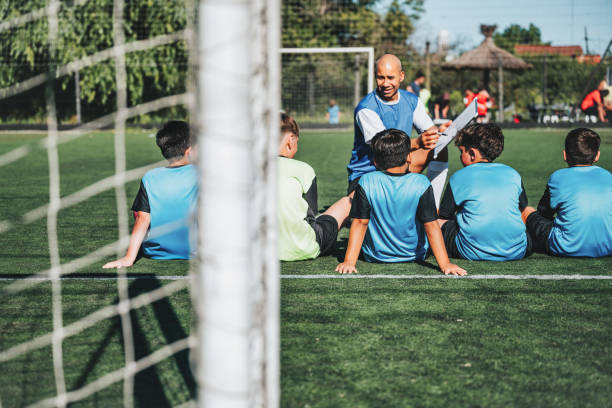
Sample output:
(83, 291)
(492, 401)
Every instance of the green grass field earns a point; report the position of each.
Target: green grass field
(345, 343)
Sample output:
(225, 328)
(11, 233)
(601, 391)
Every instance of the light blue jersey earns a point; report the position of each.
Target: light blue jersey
(396, 206)
(373, 115)
(582, 199)
(334, 114)
(487, 198)
(172, 194)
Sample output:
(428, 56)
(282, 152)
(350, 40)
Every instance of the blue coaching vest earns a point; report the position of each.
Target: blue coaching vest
(489, 219)
(173, 196)
(582, 196)
(394, 234)
(396, 115)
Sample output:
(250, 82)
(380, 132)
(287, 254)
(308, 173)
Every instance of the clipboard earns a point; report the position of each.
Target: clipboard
(468, 114)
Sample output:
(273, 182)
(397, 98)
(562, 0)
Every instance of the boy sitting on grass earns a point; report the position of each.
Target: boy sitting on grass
(301, 233)
(393, 211)
(165, 205)
(481, 208)
(581, 197)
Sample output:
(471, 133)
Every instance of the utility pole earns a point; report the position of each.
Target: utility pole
(586, 40)
(427, 67)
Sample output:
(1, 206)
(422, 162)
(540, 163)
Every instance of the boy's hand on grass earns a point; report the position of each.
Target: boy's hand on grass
(346, 267)
(452, 269)
(119, 263)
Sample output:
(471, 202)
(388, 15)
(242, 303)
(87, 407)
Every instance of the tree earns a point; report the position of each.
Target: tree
(85, 30)
(515, 34)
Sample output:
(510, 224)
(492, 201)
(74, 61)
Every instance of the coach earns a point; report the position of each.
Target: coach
(389, 107)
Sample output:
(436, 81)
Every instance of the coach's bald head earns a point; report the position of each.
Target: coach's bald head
(389, 76)
(389, 61)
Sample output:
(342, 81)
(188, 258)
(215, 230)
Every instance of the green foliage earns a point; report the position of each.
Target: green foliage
(515, 34)
(85, 30)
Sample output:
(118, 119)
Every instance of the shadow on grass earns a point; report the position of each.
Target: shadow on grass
(148, 386)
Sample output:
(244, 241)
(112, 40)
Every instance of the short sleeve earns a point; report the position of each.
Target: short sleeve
(360, 207)
(370, 123)
(141, 202)
(523, 202)
(420, 119)
(426, 210)
(448, 207)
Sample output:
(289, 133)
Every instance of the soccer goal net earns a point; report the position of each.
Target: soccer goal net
(91, 73)
(314, 80)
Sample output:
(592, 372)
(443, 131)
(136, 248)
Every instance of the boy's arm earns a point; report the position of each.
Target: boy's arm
(356, 235)
(426, 213)
(360, 213)
(544, 208)
(434, 234)
(141, 226)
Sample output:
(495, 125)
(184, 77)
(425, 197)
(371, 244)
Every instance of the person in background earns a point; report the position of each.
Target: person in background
(593, 103)
(333, 113)
(415, 86)
(424, 96)
(469, 96)
(484, 102)
(442, 108)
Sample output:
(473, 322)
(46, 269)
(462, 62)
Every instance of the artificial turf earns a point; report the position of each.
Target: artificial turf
(343, 342)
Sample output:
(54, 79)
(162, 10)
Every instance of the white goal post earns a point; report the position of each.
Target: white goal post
(312, 77)
(238, 283)
(340, 50)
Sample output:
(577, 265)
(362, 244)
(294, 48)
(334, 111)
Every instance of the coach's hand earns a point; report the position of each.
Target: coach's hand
(429, 138)
(452, 269)
(346, 267)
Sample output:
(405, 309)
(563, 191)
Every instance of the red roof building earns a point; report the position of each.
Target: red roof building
(573, 51)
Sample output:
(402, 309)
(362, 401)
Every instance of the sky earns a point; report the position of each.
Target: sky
(561, 22)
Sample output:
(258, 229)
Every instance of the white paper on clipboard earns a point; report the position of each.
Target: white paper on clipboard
(459, 123)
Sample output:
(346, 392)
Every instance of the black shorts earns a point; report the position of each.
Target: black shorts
(352, 185)
(591, 110)
(326, 232)
(450, 229)
(539, 228)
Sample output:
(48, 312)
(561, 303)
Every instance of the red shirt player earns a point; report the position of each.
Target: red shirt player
(469, 97)
(482, 99)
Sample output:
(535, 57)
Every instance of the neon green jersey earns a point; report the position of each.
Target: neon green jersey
(296, 238)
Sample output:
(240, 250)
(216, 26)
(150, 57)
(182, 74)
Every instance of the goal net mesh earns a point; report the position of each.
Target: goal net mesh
(311, 79)
(114, 58)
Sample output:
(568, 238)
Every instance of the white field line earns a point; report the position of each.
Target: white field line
(508, 277)
(378, 276)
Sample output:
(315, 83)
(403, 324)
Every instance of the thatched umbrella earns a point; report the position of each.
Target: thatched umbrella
(488, 56)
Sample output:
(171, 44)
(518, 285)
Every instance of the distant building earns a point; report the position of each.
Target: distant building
(573, 51)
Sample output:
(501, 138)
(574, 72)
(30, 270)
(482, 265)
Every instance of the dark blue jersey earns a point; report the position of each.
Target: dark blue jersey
(581, 196)
(396, 206)
(487, 199)
(373, 115)
(170, 195)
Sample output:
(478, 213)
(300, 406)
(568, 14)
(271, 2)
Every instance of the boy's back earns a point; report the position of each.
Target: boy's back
(171, 194)
(296, 236)
(391, 203)
(487, 197)
(582, 198)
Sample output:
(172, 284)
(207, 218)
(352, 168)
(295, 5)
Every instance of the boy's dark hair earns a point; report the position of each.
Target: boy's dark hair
(486, 137)
(390, 148)
(581, 146)
(173, 138)
(419, 74)
(288, 124)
